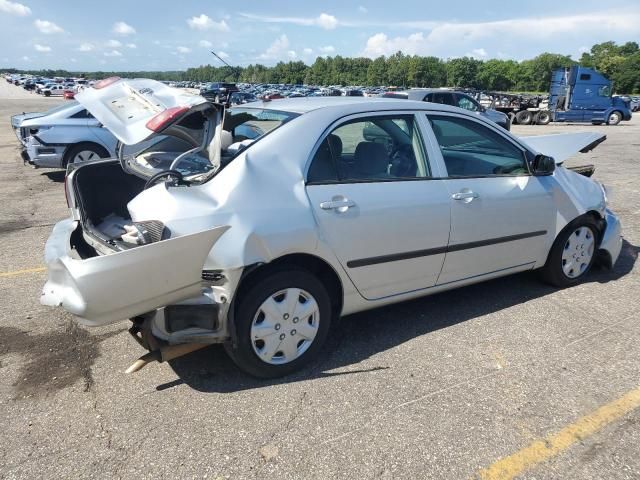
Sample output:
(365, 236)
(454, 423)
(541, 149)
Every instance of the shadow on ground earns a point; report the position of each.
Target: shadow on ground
(362, 335)
(55, 175)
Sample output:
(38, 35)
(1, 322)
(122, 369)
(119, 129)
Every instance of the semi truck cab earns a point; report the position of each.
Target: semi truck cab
(581, 94)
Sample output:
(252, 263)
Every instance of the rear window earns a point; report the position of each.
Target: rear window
(253, 123)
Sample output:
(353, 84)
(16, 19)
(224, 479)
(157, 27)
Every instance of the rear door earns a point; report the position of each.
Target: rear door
(502, 217)
(371, 187)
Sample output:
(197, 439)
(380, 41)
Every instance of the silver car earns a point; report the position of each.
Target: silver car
(339, 206)
(455, 99)
(66, 134)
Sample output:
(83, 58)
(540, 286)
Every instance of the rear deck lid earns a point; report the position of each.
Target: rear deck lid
(564, 145)
(134, 110)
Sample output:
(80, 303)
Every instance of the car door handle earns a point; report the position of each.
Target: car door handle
(339, 205)
(469, 196)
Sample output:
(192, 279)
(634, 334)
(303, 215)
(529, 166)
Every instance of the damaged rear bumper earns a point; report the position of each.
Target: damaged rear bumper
(105, 289)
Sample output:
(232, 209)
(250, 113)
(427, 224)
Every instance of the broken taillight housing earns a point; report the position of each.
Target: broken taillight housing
(105, 82)
(161, 120)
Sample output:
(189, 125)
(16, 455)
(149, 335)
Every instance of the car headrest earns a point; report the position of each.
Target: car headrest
(371, 158)
(335, 143)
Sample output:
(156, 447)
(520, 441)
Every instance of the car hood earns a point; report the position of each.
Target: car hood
(564, 145)
(126, 106)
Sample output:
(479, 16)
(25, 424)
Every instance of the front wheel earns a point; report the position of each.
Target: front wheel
(614, 118)
(281, 321)
(572, 253)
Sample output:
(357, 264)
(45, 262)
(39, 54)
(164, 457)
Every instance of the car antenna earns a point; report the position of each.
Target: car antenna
(220, 58)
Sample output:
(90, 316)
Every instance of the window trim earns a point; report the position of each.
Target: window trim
(364, 115)
(496, 129)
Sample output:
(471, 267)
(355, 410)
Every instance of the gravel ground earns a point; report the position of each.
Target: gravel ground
(434, 388)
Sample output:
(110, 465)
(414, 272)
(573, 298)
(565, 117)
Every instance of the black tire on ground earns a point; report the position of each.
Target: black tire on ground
(248, 305)
(80, 147)
(615, 118)
(47, 94)
(544, 117)
(524, 117)
(552, 272)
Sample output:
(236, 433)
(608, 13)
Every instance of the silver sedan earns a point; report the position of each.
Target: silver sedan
(341, 205)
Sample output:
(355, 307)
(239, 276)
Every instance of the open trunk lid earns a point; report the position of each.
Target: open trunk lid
(134, 110)
(564, 145)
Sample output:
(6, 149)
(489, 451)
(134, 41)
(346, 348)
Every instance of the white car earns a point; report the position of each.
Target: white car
(54, 90)
(342, 205)
(65, 134)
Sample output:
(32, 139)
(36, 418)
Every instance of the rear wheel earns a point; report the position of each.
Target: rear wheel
(281, 321)
(84, 152)
(614, 118)
(544, 117)
(572, 253)
(47, 94)
(524, 117)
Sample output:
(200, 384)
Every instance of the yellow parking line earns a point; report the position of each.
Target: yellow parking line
(552, 445)
(21, 272)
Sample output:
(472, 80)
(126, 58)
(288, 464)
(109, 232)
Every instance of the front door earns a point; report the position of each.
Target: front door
(502, 218)
(371, 189)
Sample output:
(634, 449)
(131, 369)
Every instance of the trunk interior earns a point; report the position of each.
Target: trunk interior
(103, 191)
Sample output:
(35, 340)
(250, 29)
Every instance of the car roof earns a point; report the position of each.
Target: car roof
(348, 105)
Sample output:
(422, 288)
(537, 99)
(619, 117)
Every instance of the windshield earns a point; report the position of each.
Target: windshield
(62, 106)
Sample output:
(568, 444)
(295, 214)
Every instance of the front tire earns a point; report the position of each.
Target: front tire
(572, 254)
(615, 118)
(281, 322)
(544, 117)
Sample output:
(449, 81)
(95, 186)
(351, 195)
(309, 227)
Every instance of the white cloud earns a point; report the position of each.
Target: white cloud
(307, 51)
(122, 28)
(328, 22)
(26, 59)
(45, 26)
(292, 54)
(112, 53)
(203, 22)
(131, 45)
(14, 8)
(222, 54)
(278, 49)
(329, 49)
(42, 48)
(380, 44)
(324, 20)
(85, 47)
(73, 60)
(205, 44)
(113, 44)
(479, 53)
(183, 49)
(363, 9)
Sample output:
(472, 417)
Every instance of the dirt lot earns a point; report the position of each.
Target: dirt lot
(504, 378)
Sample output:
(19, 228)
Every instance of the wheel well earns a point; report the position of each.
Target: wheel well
(325, 273)
(99, 148)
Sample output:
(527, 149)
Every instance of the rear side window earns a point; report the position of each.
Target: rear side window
(381, 148)
(470, 149)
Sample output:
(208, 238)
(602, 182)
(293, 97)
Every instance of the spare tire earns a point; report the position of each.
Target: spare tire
(544, 117)
(524, 117)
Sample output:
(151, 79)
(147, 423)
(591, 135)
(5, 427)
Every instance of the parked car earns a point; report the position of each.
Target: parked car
(318, 217)
(453, 98)
(55, 90)
(69, 94)
(219, 92)
(65, 134)
(239, 98)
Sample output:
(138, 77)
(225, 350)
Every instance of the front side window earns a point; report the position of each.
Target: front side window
(604, 91)
(471, 149)
(371, 149)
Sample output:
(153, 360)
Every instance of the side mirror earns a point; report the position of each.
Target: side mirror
(543, 165)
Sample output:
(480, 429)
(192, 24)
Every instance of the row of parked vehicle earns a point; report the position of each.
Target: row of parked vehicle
(259, 225)
(50, 87)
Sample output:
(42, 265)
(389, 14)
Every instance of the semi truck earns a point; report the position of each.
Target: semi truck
(576, 94)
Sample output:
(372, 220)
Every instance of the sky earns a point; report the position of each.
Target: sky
(120, 35)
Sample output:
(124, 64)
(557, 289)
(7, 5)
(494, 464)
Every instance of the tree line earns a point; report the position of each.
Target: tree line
(621, 63)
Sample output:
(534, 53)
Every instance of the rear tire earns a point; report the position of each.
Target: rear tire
(572, 254)
(47, 94)
(524, 117)
(273, 323)
(83, 152)
(544, 117)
